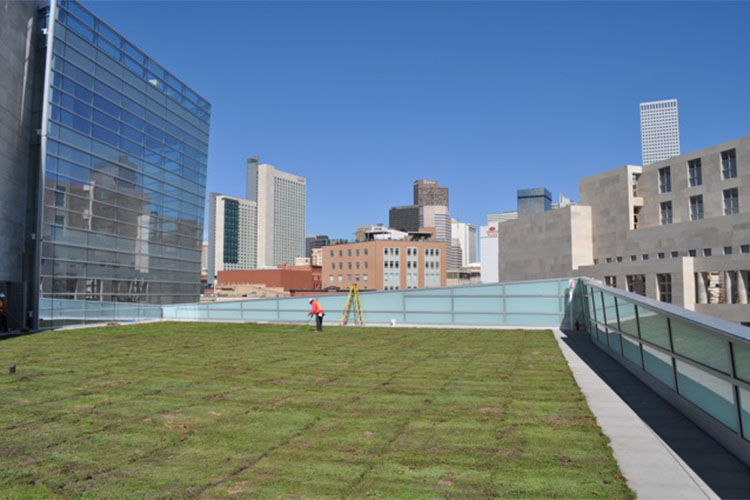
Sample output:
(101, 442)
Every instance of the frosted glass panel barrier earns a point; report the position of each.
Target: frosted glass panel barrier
(533, 303)
(610, 310)
(710, 393)
(704, 359)
(698, 345)
(90, 311)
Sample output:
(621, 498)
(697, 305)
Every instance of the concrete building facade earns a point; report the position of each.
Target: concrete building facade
(385, 265)
(660, 130)
(233, 235)
(677, 230)
(281, 199)
(550, 244)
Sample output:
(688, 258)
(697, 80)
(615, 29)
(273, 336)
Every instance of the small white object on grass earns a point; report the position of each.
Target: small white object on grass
(393, 321)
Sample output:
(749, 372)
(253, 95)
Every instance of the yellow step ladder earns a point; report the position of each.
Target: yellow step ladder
(352, 299)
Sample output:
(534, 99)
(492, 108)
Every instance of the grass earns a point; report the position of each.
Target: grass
(189, 410)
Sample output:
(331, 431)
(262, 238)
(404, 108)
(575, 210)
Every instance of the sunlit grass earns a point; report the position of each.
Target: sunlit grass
(217, 410)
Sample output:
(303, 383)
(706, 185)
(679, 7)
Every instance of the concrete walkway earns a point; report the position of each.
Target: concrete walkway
(652, 468)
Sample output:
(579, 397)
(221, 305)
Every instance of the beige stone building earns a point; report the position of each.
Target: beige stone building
(385, 264)
(677, 230)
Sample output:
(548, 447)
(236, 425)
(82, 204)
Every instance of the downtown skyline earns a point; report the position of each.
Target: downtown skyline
(487, 98)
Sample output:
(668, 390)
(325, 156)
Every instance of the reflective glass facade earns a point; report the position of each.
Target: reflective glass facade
(124, 146)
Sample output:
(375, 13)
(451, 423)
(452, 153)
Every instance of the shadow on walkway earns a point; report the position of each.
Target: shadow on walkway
(721, 471)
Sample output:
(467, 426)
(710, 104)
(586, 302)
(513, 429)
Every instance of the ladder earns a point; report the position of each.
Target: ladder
(352, 300)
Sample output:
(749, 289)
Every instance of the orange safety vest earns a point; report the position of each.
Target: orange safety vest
(316, 308)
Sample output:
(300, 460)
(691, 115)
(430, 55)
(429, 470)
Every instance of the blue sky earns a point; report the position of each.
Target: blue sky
(488, 97)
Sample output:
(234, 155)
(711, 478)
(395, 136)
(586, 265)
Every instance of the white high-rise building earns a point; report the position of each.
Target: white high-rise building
(232, 235)
(466, 234)
(438, 217)
(489, 250)
(660, 131)
(281, 202)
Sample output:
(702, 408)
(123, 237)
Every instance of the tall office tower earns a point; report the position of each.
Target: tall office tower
(532, 201)
(19, 34)
(232, 235)
(660, 130)
(315, 241)
(404, 218)
(466, 234)
(427, 192)
(437, 216)
(281, 199)
(114, 185)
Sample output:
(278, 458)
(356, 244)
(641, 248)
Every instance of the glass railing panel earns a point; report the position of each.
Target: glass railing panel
(614, 341)
(745, 411)
(598, 306)
(477, 304)
(479, 290)
(545, 305)
(418, 304)
(258, 305)
(478, 319)
(591, 293)
(712, 394)
(700, 345)
(610, 310)
(654, 327)
(521, 319)
(628, 318)
(601, 335)
(659, 365)
(385, 318)
(742, 360)
(631, 351)
(429, 318)
(258, 315)
(534, 288)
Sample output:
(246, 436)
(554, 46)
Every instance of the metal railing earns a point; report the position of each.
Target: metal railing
(698, 363)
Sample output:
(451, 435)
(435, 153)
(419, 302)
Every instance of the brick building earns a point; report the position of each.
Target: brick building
(385, 264)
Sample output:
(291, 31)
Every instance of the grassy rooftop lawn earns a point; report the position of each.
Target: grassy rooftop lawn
(230, 410)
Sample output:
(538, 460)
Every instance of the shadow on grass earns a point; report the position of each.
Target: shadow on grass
(722, 471)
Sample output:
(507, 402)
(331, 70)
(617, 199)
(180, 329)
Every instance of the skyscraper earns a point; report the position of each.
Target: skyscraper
(660, 130)
(533, 201)
(427, 192)
(466, 234)
(404, 218)
(20, 36)
(315, 241)
(233, 233)
(281, 201)
(115, 181)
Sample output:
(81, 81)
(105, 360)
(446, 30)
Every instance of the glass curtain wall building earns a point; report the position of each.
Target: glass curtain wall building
(123, 149)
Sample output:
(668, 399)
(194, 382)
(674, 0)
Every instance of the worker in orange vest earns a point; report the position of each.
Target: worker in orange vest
(3, 314)
(317, 311)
